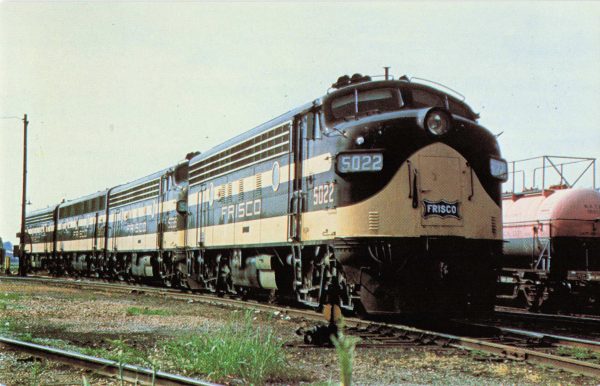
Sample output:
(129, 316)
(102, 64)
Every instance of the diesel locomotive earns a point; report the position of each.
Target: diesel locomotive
(383, 195)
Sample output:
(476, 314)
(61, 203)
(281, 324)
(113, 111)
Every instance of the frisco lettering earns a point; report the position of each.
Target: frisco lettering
(441, 208)
(241, 210)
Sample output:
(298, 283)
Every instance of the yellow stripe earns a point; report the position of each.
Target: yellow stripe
(259, 231)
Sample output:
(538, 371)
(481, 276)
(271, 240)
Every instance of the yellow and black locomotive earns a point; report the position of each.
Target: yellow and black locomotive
(384, 195)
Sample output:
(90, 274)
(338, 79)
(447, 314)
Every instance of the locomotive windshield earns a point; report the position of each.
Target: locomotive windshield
(359, 102)
(366, 102)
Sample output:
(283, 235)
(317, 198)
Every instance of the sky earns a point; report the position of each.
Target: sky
(117, 90)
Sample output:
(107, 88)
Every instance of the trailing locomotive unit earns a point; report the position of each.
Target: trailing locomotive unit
(40, 237)
(384, 194)
(144, 238)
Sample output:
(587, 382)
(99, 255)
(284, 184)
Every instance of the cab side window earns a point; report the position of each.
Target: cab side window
(422, 98)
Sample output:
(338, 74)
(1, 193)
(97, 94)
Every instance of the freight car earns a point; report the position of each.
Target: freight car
(383, 195)
(552, 243)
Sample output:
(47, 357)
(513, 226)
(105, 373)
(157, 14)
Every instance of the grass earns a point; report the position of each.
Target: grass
(119, 352)
(9, 296)
(345, 345)
(8, 300)
(13, 327)
(236, 350)
(579, 353)
(5, 325)
(134, 311)
(37, 370)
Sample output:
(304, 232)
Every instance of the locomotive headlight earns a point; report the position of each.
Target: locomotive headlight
(499, 169)
(437, 122)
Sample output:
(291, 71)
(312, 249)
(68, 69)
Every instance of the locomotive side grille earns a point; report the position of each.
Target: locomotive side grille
(258, 190)
(373, 221)
(241, 189)
(90, 205)
(494, 225)
(39, 218)
(137, 193)
(267, 145)
(229, 191)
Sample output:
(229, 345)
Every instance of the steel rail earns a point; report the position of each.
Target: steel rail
(531, 356)
(540, 337)
(502, 350)
(560, 340)
(125, 372)
(504, 312)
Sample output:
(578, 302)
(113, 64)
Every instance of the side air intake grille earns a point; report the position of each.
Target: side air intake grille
(373, 221)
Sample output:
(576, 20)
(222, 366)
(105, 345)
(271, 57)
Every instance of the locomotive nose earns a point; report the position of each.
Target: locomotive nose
(439, 191)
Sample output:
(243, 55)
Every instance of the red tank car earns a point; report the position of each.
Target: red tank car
(551, 252)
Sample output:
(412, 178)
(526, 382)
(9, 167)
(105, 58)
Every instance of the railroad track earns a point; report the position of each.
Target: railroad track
(124, 372)
(517, 345)
(508, 343)
(569, 321)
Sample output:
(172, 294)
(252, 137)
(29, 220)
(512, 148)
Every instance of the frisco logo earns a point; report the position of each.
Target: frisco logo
(440, 209)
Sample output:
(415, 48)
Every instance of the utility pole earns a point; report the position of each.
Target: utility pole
(22, 240)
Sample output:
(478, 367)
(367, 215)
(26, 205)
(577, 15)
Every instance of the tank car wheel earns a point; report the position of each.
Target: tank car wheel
(243, 293)
(533, 297)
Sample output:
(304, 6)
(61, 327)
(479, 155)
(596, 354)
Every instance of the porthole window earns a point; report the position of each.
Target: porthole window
(275, 176)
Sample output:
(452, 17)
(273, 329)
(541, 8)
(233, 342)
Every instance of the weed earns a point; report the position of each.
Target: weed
(345, 346)
(579, 353)
(134, 311)
(26, 337)
(119, 352)
(235, 350)
(7, 325)
(37, 369)
(57, 343)
(479, 355)
(9, 296)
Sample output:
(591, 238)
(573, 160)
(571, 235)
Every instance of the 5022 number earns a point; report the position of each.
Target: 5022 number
(323, 194)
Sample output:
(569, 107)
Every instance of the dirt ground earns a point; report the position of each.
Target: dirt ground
(91, 319)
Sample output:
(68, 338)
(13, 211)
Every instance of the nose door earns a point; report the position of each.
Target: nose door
(440, 191)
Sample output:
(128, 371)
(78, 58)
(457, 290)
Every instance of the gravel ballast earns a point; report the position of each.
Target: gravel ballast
(94, 320)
